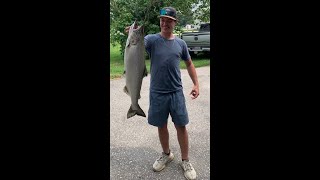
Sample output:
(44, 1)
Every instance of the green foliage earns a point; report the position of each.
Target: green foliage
(202, 10)
(185, 19)
(124, 12)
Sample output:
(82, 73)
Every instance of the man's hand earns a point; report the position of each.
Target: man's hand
(126, 30)
(195, 92)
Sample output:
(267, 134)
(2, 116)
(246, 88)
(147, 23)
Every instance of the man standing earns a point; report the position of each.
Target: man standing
(166, 91)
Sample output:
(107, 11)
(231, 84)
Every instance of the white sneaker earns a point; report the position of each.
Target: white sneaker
(189, 171)
(162, 161)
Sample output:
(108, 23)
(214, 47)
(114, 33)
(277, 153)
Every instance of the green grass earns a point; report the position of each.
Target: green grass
(117, 66)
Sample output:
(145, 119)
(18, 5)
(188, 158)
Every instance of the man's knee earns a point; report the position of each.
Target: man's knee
(163, 127)
(181, 128)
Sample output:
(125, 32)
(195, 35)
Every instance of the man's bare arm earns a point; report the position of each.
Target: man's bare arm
(193, 75)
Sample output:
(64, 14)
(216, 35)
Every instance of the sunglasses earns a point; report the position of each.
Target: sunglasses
(167, 12)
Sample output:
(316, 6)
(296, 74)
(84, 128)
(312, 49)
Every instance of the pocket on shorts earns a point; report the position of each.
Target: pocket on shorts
(181, 104)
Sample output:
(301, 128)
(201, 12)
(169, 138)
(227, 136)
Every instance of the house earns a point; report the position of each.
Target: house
(191, 27)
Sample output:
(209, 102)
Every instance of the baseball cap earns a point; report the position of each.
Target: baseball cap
(169, 12)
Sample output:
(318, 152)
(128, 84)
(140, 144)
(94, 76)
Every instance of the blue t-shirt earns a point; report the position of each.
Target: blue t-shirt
(165, 58)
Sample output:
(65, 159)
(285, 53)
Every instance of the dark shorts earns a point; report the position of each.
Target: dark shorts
(163, 104)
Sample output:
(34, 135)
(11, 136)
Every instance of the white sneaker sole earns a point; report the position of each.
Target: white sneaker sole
(163, 166)
(188, 178)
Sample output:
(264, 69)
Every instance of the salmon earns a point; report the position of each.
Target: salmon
(135, 68)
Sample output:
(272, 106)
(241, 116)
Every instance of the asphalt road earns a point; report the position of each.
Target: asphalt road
(134, 144)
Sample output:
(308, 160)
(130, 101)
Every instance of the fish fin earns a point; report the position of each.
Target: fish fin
(132, 112)
(140, 112)
(125, 89)
(145, 73)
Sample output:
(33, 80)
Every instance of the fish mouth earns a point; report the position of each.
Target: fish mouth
(135, 26)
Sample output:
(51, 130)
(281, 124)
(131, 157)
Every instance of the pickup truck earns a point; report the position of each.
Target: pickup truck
(198, 41)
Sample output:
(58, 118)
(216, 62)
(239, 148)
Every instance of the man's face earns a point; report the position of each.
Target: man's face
(167, 24)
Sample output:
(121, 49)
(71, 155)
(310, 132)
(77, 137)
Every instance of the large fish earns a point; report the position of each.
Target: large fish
(135, 67)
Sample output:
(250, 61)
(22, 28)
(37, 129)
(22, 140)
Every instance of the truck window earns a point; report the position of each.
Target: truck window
(204, 27)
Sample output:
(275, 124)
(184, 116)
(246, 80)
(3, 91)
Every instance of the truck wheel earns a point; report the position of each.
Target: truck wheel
(192, 54)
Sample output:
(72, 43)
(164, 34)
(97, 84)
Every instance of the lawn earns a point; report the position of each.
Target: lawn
(117, 66)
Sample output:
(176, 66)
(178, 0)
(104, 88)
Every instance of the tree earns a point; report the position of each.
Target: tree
(201, 10)
(124, 12)
(185, 19)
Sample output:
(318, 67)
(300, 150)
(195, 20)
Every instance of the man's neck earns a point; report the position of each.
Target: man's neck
(167, 35)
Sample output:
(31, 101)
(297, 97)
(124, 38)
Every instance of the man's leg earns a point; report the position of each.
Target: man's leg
(189, 171)
(180, 118)
(183, 141)
(164, 138)
(166, 156)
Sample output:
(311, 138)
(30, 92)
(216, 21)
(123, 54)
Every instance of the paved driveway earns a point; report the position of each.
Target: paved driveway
(134, 144)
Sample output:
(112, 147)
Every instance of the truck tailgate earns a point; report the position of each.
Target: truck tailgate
(199, 39)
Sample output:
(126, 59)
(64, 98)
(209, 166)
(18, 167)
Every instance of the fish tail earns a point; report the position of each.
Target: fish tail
(138, 112)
